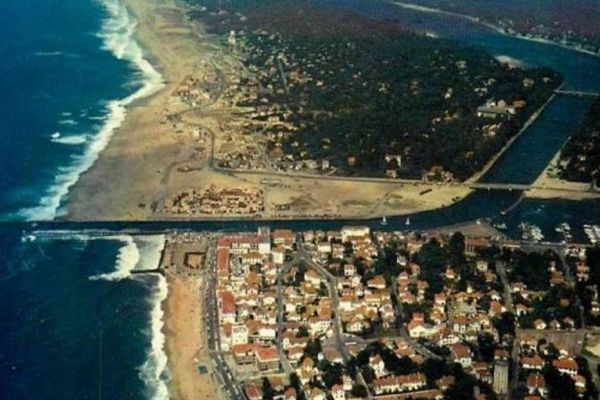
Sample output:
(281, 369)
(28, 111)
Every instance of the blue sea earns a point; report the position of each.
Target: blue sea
(69, 69)
(74, 322)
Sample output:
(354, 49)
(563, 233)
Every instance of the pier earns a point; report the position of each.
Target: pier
(576, 93)
(159, 271)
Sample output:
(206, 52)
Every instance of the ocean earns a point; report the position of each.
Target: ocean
(67, 74)
(74, 324)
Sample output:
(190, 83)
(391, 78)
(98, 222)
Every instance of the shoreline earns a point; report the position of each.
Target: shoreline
(150, 148)
(492, 26)
(184, 340)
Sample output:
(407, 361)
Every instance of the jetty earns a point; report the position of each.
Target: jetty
(576, 93)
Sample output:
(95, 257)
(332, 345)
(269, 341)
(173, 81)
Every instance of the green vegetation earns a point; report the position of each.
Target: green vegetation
(530, 268)
(371, 98)
(574, 22)
(580, 157)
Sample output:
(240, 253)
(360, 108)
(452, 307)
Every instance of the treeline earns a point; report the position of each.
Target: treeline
(359, 90)
(580, 157)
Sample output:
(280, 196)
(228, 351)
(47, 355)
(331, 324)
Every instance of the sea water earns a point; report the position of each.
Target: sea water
(68, 71)
(74, 322)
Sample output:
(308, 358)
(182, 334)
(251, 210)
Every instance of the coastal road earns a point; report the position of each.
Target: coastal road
(230, 385)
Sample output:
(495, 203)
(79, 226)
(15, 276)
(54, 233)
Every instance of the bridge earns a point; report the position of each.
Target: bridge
(501, 186)
(577, 93)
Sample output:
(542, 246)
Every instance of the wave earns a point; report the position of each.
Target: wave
(117, 34)
(48, 53)
(127, 258)
(54, 54)
(70, 140)
(153, 370)
(69, 122)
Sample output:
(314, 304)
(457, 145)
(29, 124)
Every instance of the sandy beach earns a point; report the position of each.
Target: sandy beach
(151, 158)
(185, 345)
(549, 186)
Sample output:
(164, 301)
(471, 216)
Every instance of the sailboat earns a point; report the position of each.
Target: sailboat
(383, 220)
(407, 221)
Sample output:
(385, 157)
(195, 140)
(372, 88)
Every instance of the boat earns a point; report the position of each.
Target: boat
(407, 221)
(383, 220)
(501, 226)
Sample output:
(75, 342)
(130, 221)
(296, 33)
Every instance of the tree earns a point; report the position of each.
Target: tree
(561, 387)
(296, 384)
(267, 389)
(505, 324)
(332, 373)
(302, 331)
(359, 391)
(313, 348)
(456, 248)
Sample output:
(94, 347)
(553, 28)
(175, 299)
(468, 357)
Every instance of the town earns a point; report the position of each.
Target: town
(355, 313)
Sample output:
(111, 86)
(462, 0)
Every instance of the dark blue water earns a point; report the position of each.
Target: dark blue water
(56, 82)
(66, 336)
(529, 155)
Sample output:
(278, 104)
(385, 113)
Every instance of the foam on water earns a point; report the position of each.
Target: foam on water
(118, 36)
(153, 369)
(70, 140)
(127, 258)
(69, 122)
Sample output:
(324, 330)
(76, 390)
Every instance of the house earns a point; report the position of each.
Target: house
(539, 324)
(378, 366)
(537, 384)
(267, 358)
(284, 237)
(566, 366)
(290, 394)
(226, 307)
(377, 282)
(253, 392)
(324, 247)
(349, 270)
(313, 277)
(278, 255)
(338, 393)
(535, 363)
(349, 232)
(461, 354)
(399, 383)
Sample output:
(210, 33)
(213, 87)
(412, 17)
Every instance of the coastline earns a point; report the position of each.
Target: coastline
(549, 186)
(494, 27)
(184, 343)
(155, 155)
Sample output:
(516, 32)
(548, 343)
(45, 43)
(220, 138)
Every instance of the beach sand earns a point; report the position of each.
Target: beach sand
(185, 344)
(141, 166)
(549, 186)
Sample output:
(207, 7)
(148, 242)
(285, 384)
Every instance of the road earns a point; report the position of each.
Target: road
(230, 385)
(337, 323)
(285, 363)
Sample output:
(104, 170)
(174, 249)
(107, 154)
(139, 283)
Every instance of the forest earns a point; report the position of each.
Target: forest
(580, 157)
(374, 99)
